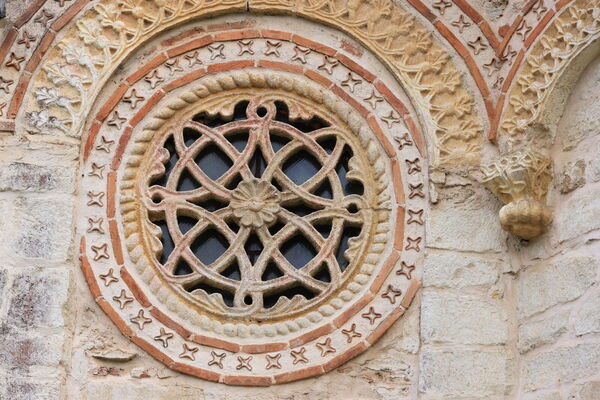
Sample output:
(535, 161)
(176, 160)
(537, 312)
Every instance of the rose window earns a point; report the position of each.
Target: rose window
(262, 210)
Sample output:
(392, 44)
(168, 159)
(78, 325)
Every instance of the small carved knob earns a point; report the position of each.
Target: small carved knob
(520, 179)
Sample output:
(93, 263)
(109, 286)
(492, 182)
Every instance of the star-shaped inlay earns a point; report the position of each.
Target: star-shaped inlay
(26, 39)
(461, 24)
(442, 5)
(374, 99)
(523, 29)
(116, 120)
(413, 243)
(329, 63)
(478, 45)
(43, 18)
(415, 190)
(216, 51)
(372, 315)
(95, 199)
(189, 352)
(273, 47)
(298, 356)
(217, 359)
(300, 54)
(508, 55)
(246, 47)
(193, 59)
(351, 82)
(122, 299)
(351, 333)
(498, 83)
(173, 66)
(493, 66)
(153, 79)
(97, 170)
(5, 84)
(325, 347)
(405, 270)
(413, 165)
(273, 361)
(95, 225)
(141, 320)
(132, 98)
(164, 337)
(539, 9)
(403, 140)
(105, 144)
(14, 61)
(415, 217)
(100, 252)
(244, 363)
(391, 294)
(109, 277)
(391, 119)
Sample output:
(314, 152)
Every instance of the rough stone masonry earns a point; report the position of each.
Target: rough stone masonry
(299, 199)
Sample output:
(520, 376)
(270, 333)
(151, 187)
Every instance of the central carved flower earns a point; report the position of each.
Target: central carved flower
(255, 203)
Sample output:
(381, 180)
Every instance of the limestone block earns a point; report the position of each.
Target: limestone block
(3, 279)
(557, 282)
(570, 224)
(42, 227)
(535, 334)
(585, 391)
(37, 298)
(457, 270)
(571, 177)
(564, 364)
(18, 388)
(587, 319)
(544, 395)
(467, 229)
(467, 373)
(18, 176)
(24, 352)
(450, 317)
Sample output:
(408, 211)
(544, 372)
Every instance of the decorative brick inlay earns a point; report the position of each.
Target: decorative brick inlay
(304, 332)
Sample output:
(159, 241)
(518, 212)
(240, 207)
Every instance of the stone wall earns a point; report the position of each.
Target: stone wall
(496, 318)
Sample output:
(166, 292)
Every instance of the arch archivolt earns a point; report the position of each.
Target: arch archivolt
(66, 83)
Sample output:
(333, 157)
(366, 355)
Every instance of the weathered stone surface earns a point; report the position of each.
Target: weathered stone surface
(564, 364)
(468, 373)
(469, 229)
(560, 281)
(587, 319)
(38, 298)
(3, 279)
(21, 388)
(544, 395)
(535, 334)
(585, 391)
(123, 390)
(571, 177)
(42, 227)
(22, 351)
(581, 214)
(457, 270)
(450, 317)
(21, 177)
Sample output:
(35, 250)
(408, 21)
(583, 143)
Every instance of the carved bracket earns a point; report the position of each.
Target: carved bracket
(520, 180)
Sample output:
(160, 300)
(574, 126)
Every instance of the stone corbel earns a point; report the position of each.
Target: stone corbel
(520, 180)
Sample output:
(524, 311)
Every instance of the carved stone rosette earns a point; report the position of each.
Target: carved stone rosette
(520, 179)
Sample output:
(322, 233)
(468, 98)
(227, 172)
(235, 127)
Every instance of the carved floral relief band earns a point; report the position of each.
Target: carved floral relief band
(251, 317)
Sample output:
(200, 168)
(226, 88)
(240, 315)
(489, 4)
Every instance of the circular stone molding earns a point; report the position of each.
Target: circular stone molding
(252, 207)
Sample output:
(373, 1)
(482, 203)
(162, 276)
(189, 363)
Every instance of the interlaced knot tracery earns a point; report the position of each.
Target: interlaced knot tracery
(263, 210)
